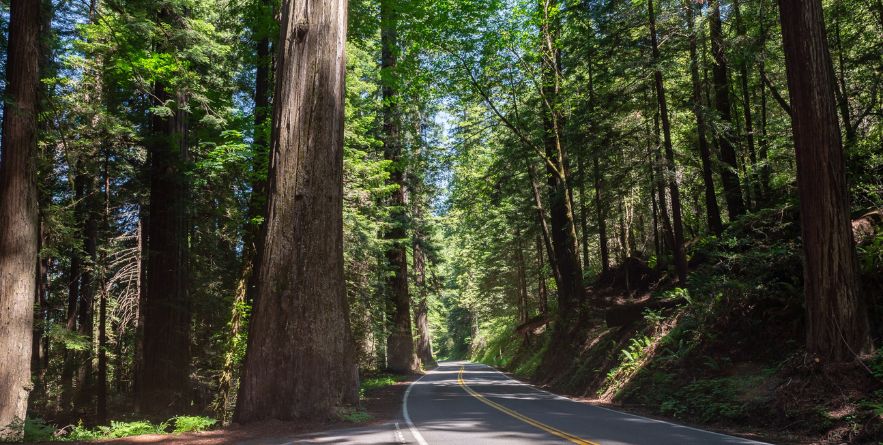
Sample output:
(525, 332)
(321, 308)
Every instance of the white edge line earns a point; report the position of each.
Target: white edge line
(558, 396)
(413, 428)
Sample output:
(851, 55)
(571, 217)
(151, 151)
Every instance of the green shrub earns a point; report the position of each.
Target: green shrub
(117, 430)
(193, 424)
(37, 430)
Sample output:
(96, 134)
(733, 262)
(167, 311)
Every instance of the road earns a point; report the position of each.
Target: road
(472, 404)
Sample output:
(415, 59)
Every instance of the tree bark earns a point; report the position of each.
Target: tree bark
(712, 211)
(401, 357)
(837, 316)
(18, 215)
(166, 309)
(301, 354)
(729, 167)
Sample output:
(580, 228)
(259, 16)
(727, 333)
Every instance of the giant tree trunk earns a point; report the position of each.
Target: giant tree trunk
(729, 167)
(570, 287)
(18, 215)
(166, 307)
(400, 342)
(301, 355)
(712, 211)
(837, 317)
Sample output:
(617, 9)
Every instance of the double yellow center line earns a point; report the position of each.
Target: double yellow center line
(535, 423)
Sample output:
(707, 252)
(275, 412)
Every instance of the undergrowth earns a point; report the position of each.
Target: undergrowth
(38, 430)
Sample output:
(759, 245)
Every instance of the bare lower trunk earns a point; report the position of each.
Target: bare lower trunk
(301, 355)
(18, 216)
(836, 311)
(164, 376)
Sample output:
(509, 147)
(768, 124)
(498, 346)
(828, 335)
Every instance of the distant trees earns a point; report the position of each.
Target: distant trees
(836, 312)
(19, 235)
(300, 361)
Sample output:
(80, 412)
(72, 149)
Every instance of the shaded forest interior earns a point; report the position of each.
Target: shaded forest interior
(232, 211)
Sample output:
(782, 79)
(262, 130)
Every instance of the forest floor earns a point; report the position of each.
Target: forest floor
(379, 405)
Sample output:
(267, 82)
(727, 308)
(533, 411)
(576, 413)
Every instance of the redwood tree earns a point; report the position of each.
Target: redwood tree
(400, 354)
(166, 308)
(301, 357)
(837, 318)
(18, 215)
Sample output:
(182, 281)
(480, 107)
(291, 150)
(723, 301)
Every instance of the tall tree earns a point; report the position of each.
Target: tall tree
(301, 358)
(712, 211)
(166, 307)
(563, 228)
(837, 318)
(670, 167)
(720, 77)
(401, 357)
(18, 215)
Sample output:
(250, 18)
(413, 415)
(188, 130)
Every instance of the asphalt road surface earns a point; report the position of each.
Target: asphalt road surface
(472, 404)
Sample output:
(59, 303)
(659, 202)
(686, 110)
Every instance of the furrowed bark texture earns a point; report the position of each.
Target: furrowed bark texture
(301, 355)
(837, 316)
(18, 216)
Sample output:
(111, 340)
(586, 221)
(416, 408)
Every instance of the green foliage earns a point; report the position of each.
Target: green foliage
(193, 424)
(117, 430)
(378, 381)
(711, 399)
(875, 364)
(871, 255)
(37, 430)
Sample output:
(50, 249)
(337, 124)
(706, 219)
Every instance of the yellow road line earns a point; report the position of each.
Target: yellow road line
(535, 423)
